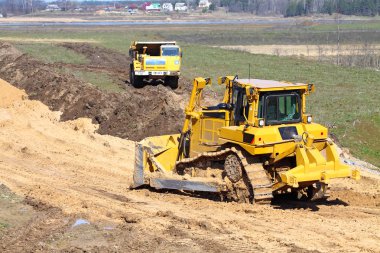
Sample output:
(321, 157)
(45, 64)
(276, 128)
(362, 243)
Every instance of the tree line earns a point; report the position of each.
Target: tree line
(20, 6)
(288, 8)
(346, 7)
(291, 8)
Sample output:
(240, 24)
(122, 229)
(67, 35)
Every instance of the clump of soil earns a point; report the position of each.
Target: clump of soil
(133, 114)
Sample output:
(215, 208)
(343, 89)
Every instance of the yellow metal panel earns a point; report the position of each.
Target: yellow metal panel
(312, 166)
(163, 148)
(210, 130)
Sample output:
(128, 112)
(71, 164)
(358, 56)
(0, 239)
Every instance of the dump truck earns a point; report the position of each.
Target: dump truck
(259, 141)
(155, 60)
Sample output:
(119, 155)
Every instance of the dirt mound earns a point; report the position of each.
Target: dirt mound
(9, 94)
(33, 139)
(132, 114)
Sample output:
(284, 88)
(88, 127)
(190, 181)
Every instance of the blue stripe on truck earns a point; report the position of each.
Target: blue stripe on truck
(155, 62)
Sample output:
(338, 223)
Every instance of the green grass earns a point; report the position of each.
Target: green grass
(100, 80)
(352, 26)
(115, 39)
(3, 225)
(52, 53)
(346, 99)
(366, 130)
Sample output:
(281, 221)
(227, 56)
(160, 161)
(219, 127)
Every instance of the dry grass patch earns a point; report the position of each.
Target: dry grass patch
(306, 50)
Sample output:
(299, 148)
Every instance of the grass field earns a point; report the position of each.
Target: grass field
(101, 80)
(51, 53)
(361, 26)
(346, 99)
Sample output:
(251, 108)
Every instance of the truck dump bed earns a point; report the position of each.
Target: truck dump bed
(153, 48)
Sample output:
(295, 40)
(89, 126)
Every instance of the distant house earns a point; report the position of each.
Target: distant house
(132, 6)
(52, 7)
(180, 7)
(110, 8)
(204, 4)
(167, 7)
(153, 7)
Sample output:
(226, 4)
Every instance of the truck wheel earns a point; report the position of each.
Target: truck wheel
(136, 81)
(131, 74)
(172, 82)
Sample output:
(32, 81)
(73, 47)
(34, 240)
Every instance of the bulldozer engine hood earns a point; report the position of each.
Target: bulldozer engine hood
(272, 134)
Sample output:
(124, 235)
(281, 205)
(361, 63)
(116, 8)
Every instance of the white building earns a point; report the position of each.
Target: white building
(52, 7)
(167, 7)
(180, 7)
(204, 4)
(153, 7)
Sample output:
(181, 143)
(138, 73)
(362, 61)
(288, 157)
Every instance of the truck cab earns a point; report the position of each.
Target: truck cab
(153, 61)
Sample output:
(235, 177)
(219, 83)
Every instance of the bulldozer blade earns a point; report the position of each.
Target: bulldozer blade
(185, 185)
(158, 153)
(138, 175)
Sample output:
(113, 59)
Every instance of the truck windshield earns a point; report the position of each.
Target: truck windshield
(281, 109)
(170, 51)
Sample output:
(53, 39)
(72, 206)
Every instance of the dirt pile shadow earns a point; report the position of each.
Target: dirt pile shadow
(133, 114)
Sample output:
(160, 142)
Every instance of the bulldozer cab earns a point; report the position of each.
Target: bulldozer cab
(274, 107)
(262, 103)
(249, 103)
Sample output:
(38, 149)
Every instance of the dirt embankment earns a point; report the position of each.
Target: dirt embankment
(132, 114)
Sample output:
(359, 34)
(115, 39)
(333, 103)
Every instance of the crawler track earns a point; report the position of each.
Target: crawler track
(254, 185)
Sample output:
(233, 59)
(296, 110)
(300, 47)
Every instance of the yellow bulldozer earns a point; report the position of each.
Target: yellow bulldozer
(258, 142)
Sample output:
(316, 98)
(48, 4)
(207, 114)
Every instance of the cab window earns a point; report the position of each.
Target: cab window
(170, 51)
(241, 105)
(282, 109)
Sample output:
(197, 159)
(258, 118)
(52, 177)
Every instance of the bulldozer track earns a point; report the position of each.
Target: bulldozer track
(259, 182)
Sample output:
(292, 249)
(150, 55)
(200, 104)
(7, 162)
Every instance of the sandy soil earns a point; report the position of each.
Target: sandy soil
(312, 51)
(66, 169)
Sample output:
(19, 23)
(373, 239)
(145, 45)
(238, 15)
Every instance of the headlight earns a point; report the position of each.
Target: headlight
(309, 119)
(176, 62)
(261, 122)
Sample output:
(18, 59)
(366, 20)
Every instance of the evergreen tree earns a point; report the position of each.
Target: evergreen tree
(328, 7)
(300, 10)
(291, 10)
(309, 6)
